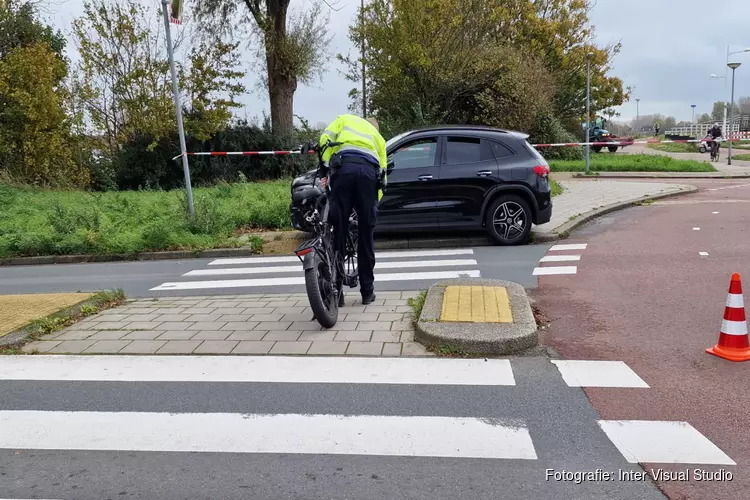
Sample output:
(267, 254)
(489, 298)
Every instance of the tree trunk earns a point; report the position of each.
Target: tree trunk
(282, 80)
(281, 95)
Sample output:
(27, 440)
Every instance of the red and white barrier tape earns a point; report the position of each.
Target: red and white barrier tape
(552, 145)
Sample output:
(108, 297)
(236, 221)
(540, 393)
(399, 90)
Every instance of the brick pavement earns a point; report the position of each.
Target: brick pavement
(241, 324)
(581, 196)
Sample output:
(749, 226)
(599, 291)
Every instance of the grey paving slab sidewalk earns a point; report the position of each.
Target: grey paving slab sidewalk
(582, 196)
(241, 324)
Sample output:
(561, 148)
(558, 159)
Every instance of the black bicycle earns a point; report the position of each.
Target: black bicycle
(326, 271)
(715, 150)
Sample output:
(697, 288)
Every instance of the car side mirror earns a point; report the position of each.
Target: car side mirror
(390, 167)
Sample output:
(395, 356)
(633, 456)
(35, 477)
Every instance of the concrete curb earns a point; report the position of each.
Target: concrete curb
(479, 338)
(562, 231)
(653, 176)
(389, 244)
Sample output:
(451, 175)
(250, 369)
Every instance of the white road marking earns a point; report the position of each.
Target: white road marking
(569, 246)
(655, 441)
(378, 255)
(543, 271)
(560, 258)
(703, 254)
(279, 369)
(297, 268)
(300, 280)
(263, 433)
(590, 373)
(728, 187)
(714, 212)
(696, 229)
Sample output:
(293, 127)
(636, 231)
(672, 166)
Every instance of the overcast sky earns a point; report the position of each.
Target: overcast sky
(670, 48)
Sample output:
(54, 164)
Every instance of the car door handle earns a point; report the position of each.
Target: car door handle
(425, 177)
(484, 173)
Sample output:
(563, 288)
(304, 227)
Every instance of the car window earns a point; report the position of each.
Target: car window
(463, 150)
(501, 150)
(415, 154)
(534, 151)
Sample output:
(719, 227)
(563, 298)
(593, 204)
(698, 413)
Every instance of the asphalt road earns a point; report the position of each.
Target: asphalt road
(644, 294)
(395, 270)
(82, 456)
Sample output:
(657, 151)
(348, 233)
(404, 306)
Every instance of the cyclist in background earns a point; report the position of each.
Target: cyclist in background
(715, 133)
(357, 173)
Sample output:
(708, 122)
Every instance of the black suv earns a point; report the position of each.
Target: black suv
(450, 178)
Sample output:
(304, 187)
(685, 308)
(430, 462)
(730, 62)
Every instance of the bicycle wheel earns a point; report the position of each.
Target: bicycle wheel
(320, 292)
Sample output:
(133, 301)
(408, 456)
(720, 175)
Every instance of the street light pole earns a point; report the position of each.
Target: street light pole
(588, 109)
(637, 114)
(693, 119)
(178, 107)
(734, 66)
(364, 81)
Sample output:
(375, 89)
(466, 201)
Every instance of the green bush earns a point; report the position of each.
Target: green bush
(549, 130)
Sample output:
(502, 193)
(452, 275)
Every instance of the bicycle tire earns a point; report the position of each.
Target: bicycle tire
(327, 317)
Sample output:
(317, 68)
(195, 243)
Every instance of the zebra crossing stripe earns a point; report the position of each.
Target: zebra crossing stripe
(259, 369)
(378, 255)
(296, 269)
(300, 280)
(263, 433)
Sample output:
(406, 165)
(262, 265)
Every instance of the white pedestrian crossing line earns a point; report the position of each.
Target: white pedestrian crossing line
(378, 255)
(266, 271)
(560, 258)
(592, 373)
(262, 433)
(552, 270)
(276, 369)
(662, 442)
(296, 269)
(639, 441)
(300, 280)
(569, 246)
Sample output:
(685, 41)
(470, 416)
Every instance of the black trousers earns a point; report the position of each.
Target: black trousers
(355, 186)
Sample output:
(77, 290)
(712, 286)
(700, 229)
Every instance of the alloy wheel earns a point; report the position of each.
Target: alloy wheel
(509, 220)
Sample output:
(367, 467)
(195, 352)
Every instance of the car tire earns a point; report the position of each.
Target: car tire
(506, 207)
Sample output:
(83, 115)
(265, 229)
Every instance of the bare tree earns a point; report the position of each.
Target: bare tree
(292, 49)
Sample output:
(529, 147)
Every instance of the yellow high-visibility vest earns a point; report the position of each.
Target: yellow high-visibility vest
(356, 134)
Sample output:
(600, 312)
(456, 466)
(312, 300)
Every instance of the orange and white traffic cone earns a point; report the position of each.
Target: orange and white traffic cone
(734, 343)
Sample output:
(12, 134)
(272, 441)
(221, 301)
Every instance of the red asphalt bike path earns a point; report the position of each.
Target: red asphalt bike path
(643, 295)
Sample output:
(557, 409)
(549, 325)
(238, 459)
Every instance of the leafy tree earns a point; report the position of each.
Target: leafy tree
(426, 58)
(704, 118)
(289, 49)
(125, 83)
(34, 127)
(20, 27)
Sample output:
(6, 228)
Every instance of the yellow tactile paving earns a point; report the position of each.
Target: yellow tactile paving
(17, 311)
(476, 304)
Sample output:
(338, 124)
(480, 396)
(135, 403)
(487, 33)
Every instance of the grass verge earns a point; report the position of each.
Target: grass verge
(50, 222)
(604, 162)
(675, 147)
(555, 187)
(62, 319)
(741, 157)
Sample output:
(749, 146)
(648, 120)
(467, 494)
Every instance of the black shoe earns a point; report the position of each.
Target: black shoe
(368, 298)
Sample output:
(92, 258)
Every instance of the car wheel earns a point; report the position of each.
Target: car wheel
(508, 221)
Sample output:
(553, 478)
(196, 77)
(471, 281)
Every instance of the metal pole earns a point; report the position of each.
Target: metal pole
(178, 107)
(731, 122)
(693, 119)
(588, 110)
(637, 114)
(364, 81)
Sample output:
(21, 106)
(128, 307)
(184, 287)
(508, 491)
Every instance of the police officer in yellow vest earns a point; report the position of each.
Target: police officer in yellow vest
(358, 169)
